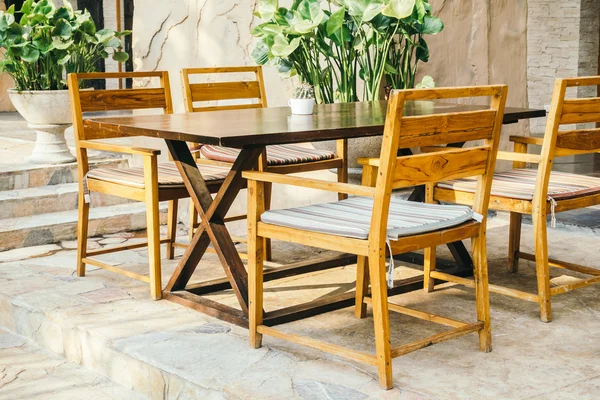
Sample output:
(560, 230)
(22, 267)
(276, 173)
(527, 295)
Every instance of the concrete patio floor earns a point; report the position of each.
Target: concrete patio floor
(107, 324)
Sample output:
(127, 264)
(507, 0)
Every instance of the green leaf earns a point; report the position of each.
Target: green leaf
(426, 83)
(64, 13)
(420, 8)
(63, 60)
(398, 8)
(431, 25)
(6, 20)
(27, 6)
(30, 54)
(336, 21)
(422, 51)
(60, 44)
(43, 44)
(267, 8)
(372, 10)
(283, 48)
(62, 28)
(120, 56)
(260, 54)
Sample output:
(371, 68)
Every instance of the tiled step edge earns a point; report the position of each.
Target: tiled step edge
(29, 176)
(55, 227)
(97, 354)
(48, 199)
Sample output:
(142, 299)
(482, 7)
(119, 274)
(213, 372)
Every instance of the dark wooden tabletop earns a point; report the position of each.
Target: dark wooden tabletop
(276, 125)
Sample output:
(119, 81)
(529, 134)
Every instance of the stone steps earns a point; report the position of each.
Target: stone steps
(48, 199)
(31, 175)
(58, 226)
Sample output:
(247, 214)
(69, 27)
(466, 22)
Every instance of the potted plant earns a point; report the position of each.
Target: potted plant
(303, 101)
(39, 50)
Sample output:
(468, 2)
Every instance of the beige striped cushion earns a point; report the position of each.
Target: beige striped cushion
(276, 155)
(352, 217)
(520, 184)
(168, 175)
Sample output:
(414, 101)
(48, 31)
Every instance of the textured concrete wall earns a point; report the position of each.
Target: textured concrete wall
(483, 43)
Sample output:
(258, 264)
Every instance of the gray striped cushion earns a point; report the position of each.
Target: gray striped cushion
(352, 217)
(168, 175)
(276, 155)
(520, 184)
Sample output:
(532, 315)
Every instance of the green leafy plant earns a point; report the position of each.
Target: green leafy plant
(304, 91)
(332, 43)
(49, 42)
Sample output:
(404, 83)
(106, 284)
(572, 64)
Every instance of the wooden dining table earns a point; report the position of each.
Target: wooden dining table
(251, 130)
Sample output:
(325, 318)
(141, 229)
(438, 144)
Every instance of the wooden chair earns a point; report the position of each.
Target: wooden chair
(540, 193)
(362, 225)
(151, 184)
(288, 159)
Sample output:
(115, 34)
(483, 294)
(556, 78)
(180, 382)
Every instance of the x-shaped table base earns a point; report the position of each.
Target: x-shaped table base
(213, 231)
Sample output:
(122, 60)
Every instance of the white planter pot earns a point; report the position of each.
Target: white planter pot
(302, 106)
(49, 114)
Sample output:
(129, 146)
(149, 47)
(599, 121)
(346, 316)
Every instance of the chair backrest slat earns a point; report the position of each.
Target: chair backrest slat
(447, 128)
(434, 167)
(219, 91)
(584, 139)
(225, 91)
(126, 99)
(580, 111)
(116, 100)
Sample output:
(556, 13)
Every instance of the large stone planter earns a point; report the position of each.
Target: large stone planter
(49, 114)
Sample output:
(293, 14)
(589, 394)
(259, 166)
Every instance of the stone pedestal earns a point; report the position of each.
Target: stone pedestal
(49, 113)
(50, 145)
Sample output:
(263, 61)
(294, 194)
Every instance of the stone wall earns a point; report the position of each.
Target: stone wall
(562, 42)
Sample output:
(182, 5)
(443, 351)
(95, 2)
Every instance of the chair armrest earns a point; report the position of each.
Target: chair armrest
(369, 161)
(117, 148)
(527, 140)
(520, 157)
(336, 187)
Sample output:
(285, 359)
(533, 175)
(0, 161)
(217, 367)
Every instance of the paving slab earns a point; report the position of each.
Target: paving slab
(32, 373)
(108, 324)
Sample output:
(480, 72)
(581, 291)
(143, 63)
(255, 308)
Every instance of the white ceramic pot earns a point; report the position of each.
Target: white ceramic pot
(48, 112)
(302, 106)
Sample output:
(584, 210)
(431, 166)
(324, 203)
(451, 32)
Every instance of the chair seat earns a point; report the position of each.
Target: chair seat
(352, 217)
(168, 175)
(276, 155)
(520, 184)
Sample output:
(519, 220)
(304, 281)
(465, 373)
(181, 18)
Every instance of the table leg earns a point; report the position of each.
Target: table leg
(212, 226)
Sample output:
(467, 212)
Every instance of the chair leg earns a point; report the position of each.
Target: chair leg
(268, 191)
(153, 225)
(172, 228)
(362, 287)
(193, 220)
(514, 241)
(482, 294)
(82, 232)
(381, 320)
(429, 263)
(542, 268)
(255, 262)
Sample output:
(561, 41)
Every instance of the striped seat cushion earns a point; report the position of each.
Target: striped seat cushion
(168, 175)
(276, 155)
(520, 184)
(352, 217)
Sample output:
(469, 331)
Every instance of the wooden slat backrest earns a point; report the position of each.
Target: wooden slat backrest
(576, 111)
(218, 91)
(450, 163)
(116, 100)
